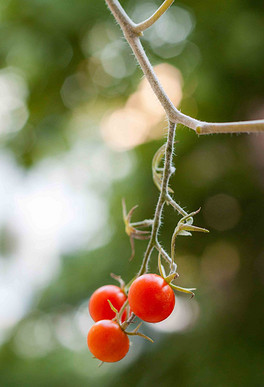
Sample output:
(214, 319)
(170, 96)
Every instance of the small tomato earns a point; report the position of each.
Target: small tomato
(107, 341)
(99, 307)
(151, 298)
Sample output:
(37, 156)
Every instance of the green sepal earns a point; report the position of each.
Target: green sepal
(194, 228)
(184, 233)
(112, 307)
(183, 290)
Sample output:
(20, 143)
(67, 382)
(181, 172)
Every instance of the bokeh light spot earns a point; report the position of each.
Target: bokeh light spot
(183, 317)
(222, 212)
(134, 124)
(220, 263)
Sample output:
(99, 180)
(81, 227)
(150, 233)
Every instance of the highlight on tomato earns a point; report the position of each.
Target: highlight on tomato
(107, 341)
(151, 298)
(99, 307)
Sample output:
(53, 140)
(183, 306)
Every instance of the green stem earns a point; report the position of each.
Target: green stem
(153, 242)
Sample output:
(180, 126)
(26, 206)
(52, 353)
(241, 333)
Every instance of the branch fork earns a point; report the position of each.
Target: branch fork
(132, 33)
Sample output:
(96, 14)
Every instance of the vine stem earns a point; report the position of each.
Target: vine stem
(153, 242)
(152, 19)
(132, 32)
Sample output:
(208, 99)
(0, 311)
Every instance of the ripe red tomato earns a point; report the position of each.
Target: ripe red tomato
(151, 298)
(99, 307)
(107, 341)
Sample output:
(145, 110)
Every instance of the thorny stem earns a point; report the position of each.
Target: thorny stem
(131, 33)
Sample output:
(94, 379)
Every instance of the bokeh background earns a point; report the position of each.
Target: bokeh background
(78, 130)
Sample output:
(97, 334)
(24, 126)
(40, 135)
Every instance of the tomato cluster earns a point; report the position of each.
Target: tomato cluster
(149, 297)
(106, 340)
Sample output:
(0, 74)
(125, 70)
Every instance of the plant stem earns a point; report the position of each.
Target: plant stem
(153, 242)
(152, 19)
(131, 33)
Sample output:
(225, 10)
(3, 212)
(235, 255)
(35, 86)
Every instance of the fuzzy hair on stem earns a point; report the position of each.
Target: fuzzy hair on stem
(132, 33)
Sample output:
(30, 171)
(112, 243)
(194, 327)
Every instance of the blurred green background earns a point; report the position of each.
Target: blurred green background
(78, 130)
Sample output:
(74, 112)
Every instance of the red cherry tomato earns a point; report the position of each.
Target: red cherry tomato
(107, 341)
(99, 307)
(151, 298)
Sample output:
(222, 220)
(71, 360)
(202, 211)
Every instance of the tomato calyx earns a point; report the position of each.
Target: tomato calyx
(132, 228)
(135, 332)
(169, 278)
(124, 325)
(184, 228)
(119, 279)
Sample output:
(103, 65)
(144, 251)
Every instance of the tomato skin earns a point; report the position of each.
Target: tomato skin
(107, 341)
(99, 307)
(151, 298)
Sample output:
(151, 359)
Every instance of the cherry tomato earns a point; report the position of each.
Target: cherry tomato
(151, 298)
(107, 341)
(99, 307)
